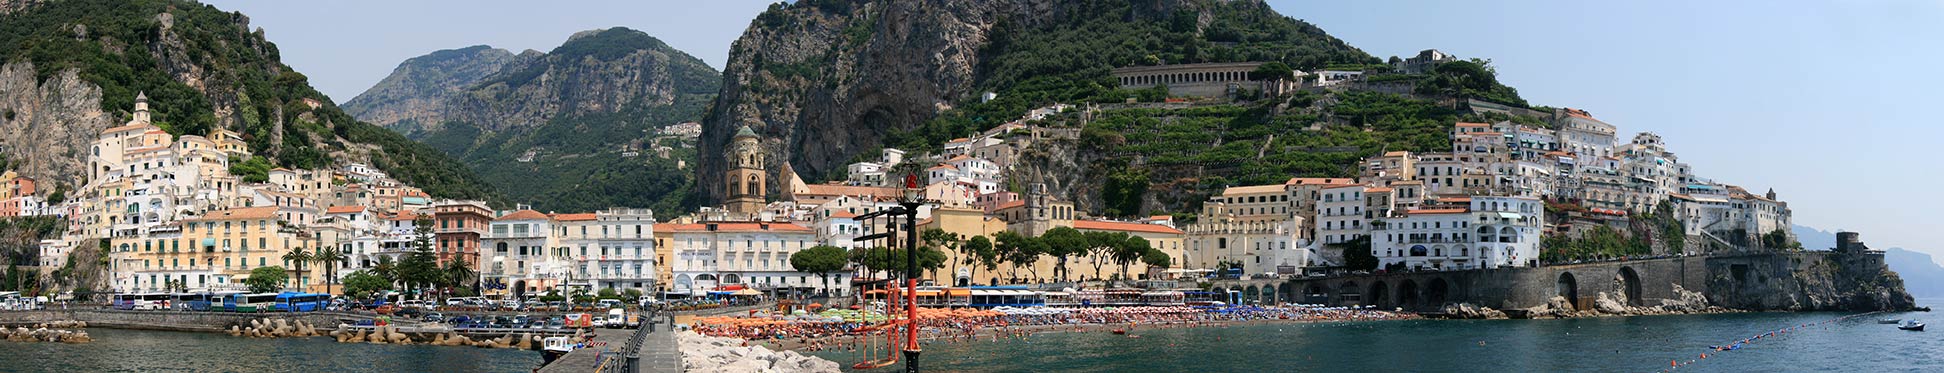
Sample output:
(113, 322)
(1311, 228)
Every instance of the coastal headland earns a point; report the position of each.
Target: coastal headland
(1766, 281)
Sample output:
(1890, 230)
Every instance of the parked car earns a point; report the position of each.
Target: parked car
(519, 322)
(556, 322)
(433, 317)
(501, 321)
(386, 309)
(455, 302)
(457, 320)
(409, 312)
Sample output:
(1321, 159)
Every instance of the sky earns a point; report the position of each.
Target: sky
(1824, 101)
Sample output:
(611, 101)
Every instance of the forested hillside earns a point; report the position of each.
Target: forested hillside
(202, 69)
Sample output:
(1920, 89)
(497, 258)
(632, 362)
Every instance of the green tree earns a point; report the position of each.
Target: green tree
(1100, 247)
(1020, 251)
(420, 267)
(458, 275)
(930, 259)
(297, 257)
(387, 269)
(1273, 71)
(1132, 249)
(946, 241)
(1062, 243)
(608, 293)
(361, 284)
(266, 279)
(821, 260)
(1357, 254)
(329, 257)
(1779, 239)
(632, 295)
(979, 253)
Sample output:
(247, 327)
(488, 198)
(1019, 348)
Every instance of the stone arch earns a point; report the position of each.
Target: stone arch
(1316, 294)
(1627, 284)
(683, 282)
(1287, 293)
(1407, 295)
(1380, 295)
(1348, 294)
(1567, 287)
(731, 279)
(1437, 292)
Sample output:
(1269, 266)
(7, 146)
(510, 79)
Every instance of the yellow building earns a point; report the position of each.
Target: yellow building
(214, 251)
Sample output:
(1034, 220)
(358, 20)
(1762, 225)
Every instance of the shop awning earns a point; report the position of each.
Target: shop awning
(958, 292)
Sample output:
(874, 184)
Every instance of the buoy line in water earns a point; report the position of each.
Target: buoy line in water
(1715, 350)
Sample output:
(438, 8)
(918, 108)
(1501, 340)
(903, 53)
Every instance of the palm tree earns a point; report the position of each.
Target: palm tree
(386, 269)
(330, 258)
(457, 274)
(297, 256)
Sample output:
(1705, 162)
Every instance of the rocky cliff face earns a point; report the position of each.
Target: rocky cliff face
(73, 68)
(46, 126)
(594, 72)
(416, 94)
(1806, 282)
(821, 83)
(573, 129)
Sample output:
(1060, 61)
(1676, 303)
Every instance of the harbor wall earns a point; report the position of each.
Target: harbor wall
(1790, 281)
(166, 320)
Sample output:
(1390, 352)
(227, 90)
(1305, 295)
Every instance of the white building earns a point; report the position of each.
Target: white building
(615, 250)
(722, 255)
(1340, 213)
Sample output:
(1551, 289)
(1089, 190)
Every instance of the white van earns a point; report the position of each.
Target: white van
(616, 319)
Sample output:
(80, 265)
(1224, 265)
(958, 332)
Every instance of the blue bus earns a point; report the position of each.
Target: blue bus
(211, 301)
(302, 302)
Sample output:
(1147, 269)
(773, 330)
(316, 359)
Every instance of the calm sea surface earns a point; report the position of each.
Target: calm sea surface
(150, 351)
(1629, 344)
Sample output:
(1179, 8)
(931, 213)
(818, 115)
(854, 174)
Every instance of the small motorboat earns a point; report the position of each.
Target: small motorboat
(1889, 321)
(555, 347)
(1911, 325)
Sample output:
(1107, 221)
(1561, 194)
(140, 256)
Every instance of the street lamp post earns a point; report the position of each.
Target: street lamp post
(913, 198)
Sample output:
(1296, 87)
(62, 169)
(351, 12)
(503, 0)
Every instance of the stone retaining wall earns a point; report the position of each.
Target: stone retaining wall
(166, 320)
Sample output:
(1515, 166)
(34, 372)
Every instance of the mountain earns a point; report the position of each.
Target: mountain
(831, 81)
(415, 94)
(70, 69)
(578, 128)
(1812, 238)
(1922, 276)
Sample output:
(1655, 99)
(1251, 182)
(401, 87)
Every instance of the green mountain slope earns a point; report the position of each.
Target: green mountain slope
(573, 129)
(202, 68)
(829, 82)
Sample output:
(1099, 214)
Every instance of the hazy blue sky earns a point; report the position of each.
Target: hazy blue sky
(1822, 101)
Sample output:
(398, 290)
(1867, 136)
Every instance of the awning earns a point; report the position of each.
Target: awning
(1510, 215)
(929, 293)
(747, 292)
(958, 292)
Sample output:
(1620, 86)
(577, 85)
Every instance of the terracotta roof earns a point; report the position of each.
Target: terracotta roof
(733, 227)
(244, 213)
(942, 166)
(403, 216)
(1437, 211)
(1408, 182)
(1377, 190)
(961, 139)
(157, 131)
(1470, 125)
(1398, 153)
(1009, 204)
(523, 215)
(1160, 217)
(1123, 227)
(1253, 189)
(344, 209)
(842, 215)
(849, 190)
(127, 128)
(584, 216)
(960, 157)
(1318, 180)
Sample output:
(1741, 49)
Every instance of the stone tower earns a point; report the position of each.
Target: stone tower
(141, 108)
(746, 177)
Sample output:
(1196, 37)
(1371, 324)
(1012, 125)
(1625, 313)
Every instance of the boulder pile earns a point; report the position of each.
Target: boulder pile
(1471, 311)
(716, 354)
(45, 335)
(274, 328)
(391, 335)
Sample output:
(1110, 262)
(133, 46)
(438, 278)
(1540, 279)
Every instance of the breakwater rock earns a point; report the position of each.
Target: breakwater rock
(274, 328)
(702, 353)
(45, 335)
(392, 335)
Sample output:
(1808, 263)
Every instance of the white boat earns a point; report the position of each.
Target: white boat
(1911, 325)
(1889, 321)
(554, 347)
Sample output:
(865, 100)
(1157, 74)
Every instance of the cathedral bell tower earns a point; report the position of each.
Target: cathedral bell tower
(746, 178)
